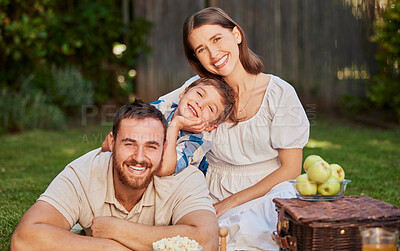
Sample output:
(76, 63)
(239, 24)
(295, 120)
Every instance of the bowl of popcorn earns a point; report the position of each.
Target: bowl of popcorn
(177, 243)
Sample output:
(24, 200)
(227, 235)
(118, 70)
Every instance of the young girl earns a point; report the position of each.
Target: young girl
(203, 105)
(251, 163)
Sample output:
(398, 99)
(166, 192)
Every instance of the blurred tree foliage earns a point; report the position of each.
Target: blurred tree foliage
(40, 38)
(384, 91)
(40, 33)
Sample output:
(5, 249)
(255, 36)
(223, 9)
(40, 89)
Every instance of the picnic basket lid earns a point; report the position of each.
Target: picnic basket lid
(348, 208)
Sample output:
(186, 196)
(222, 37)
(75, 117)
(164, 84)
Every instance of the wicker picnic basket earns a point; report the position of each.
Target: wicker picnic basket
(330, 225)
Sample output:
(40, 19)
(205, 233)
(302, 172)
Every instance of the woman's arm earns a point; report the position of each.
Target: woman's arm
(290, 159)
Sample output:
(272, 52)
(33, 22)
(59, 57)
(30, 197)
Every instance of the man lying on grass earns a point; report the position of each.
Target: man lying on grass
(117, 199)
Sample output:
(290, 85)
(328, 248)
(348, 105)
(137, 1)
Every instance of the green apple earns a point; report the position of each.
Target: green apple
(319, 171)
(304, 186)
(337, 172)
(309, 160)
(329, 187)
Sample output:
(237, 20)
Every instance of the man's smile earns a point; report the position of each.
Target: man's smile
(137, 168)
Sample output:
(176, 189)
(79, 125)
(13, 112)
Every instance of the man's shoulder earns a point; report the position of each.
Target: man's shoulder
(188, 177)
(75, 192)
(189, 173)
(90, 161)
(182, 193)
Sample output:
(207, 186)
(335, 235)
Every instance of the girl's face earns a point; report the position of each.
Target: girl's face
(216, 48)
(201, 101)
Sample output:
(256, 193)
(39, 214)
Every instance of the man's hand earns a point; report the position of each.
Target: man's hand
(104, 227)
(200, 225)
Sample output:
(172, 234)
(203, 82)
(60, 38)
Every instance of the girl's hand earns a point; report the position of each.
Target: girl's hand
(195, 125)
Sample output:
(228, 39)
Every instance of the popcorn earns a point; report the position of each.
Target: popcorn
(177, 243)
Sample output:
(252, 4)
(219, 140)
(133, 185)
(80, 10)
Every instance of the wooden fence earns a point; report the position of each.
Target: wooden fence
(321, 47)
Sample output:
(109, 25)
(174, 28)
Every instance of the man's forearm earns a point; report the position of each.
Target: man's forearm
(134, 236)
(42, 236)
(43, 227)
(141, 237)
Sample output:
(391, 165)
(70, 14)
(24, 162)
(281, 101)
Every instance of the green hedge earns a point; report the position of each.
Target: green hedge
(45, 100)
(384, 91)
(48, 37)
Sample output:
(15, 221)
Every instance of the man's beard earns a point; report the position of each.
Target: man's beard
(137, 183)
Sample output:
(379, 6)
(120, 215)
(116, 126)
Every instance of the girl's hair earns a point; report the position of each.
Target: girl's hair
(216, 16)
(228, 98)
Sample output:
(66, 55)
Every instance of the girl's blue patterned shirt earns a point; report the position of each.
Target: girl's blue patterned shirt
(191, 148)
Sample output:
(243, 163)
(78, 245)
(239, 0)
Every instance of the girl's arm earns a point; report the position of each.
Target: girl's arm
(172, 151)
(168, 163)
(291, 161)
(178, 155)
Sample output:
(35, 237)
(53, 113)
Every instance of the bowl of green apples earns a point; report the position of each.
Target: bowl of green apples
(321, 180)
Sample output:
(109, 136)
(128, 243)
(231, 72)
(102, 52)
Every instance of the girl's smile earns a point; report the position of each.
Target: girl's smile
(202, 101)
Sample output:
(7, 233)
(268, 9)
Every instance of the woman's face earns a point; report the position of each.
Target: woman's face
(216, 48)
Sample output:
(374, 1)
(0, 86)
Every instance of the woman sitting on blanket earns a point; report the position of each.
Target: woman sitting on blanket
(251, 163)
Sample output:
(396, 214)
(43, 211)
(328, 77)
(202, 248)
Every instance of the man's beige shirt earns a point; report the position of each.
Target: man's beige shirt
(85, 190)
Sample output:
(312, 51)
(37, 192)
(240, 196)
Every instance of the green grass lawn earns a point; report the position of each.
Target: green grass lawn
(30, 160)
(369, 156)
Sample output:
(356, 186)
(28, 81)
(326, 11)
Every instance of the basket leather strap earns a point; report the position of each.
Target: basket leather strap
(285, 242)
(281, 237)
(283, 223)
